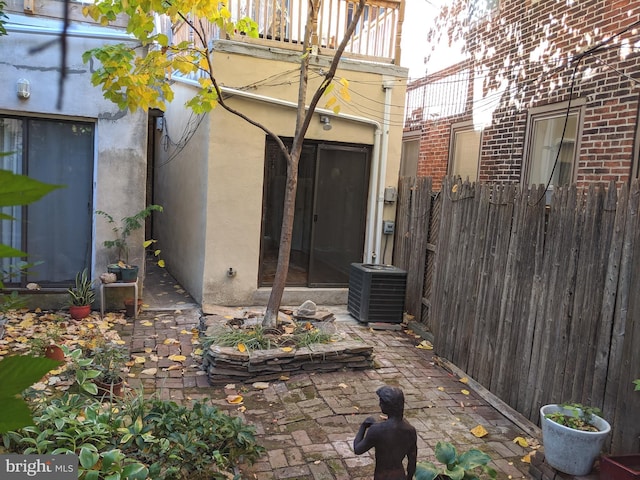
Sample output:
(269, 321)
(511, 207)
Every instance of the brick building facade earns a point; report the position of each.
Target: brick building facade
(543, 91)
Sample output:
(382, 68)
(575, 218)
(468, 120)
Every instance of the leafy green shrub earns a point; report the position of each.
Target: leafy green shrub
(138, 438)
(576, 416)
(466, 466)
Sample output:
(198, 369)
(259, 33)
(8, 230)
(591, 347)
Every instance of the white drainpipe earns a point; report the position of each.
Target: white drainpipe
(386, 86)
(374, 228)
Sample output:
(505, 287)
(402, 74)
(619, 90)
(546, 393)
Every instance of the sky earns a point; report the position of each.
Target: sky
(418, 16)
(414, 32)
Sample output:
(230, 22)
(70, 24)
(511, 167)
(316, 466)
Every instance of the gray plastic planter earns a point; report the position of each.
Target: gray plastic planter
(568, 450)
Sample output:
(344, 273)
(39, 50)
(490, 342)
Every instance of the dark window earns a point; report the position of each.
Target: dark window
(55, 232)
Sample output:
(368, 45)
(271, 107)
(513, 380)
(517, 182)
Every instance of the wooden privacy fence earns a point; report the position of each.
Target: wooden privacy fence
(538, 304)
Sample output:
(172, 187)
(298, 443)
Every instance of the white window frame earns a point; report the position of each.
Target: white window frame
(547, 112)
(411, 137)
(460, 128)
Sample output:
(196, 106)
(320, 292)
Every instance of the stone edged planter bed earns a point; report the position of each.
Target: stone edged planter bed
(227, 365)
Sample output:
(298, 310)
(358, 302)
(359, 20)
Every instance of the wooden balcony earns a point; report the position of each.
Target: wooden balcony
(281, 23)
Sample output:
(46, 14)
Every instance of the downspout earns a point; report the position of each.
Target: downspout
(370, 254)
(386, 86)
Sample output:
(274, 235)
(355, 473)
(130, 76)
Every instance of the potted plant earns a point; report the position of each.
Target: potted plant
(467, 465)
(121, 267)
(572, 436)
(109, 359)
(46, 345)
(81, 296)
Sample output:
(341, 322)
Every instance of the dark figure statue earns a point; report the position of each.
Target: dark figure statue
(393, 439)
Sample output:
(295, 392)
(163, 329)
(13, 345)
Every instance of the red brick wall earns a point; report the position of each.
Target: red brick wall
(530, 49)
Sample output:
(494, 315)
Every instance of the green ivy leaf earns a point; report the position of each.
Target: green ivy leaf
(16, 374)
(21, 190)
(135, 471)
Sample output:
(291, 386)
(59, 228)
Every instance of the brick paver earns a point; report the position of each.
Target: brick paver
(308, 423)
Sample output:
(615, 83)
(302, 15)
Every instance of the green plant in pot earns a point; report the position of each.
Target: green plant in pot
(122, 231)
(109, 360)
(81, 296)
(573, 436)
(469, 465)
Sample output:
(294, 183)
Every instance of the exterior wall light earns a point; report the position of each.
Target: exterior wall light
(325, 120)
(23, 88)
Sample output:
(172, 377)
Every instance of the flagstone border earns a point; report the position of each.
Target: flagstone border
(227, 365)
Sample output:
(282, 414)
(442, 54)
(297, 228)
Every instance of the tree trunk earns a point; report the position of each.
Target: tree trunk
(303, 119)
(284, 251)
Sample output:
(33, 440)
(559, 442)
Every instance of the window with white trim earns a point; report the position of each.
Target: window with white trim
(464, 153)
(552, 147)
(409, 157)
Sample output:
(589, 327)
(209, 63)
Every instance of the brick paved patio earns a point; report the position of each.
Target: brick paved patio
(308, 423)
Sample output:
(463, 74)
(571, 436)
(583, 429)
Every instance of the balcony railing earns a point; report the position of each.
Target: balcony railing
(282, 22)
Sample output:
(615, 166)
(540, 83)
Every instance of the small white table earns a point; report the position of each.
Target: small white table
(133, 285)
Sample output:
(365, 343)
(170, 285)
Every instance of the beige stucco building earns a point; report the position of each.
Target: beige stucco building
(222, 187)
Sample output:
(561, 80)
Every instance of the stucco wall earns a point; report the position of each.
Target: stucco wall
(228, 212)
(120, 142)
(180, 174)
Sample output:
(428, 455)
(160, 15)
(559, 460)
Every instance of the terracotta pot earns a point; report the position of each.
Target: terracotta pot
(108, 389)
(128, 305)
(78, 312)
(54, 352)
(620, 467)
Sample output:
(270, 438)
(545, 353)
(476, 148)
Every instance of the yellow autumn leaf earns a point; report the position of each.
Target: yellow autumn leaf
(526, 458)
(185, 332)
(26, 323)
(235, 399)
(228, 317)
(139, 359)
(454, 189)
(149, 371)
(197, 351)
(148, 350)
(177, 358)
(344, 82)
(173, 367)
(242, 348)
(464, 380)
(425, 345)
(119, 342)
(170, 341)
(464, 392)
(260, 385)
(283, 378)
(521, 441)
(441, 389)
(90, 326)
(242, 409)
(161, 263)
(146, 323)
(479, 431)
(287, 349)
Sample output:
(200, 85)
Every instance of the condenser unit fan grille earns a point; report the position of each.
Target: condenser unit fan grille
(376, 293)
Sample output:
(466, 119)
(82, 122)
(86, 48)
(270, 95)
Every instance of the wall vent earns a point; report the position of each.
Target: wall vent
(376, 293)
